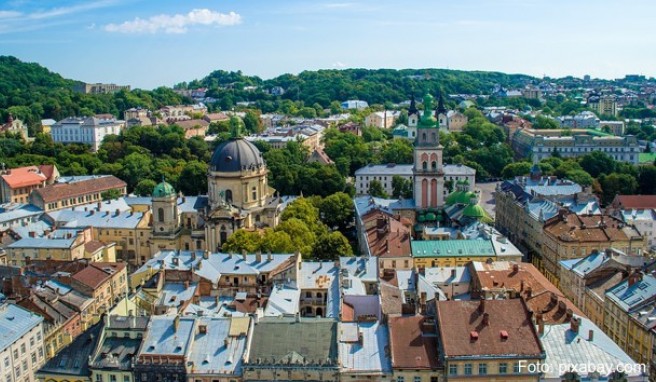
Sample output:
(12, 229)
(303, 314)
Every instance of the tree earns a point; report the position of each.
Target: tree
(276, 242)
(193, 178)
(145, 187)
(110, 194)
(242, 240)
(580, 177)
(337, 210)
(647, 180)
(401, 187)
(252, 122)
(376, 189)
(331, 246)
(398, 151)
(616, 184)
(515, 169)
(302, 237)
(597, 163)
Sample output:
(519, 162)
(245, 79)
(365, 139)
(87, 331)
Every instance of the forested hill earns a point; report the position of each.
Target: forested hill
(31, 92)
(374, 86)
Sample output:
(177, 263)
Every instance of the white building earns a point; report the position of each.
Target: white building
(385, 172)
(355, 104)
(21, 344)
(87, 130)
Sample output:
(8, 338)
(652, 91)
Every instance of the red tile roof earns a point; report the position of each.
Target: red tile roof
(24, 177)
(413, 343)
(91, 276)
(458, 320)
(570, 227)
(386, 236)
(544, 297)
(61, 191)
(635, 201)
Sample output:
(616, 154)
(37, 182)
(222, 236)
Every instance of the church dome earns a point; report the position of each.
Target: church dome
(163, 190)
(236, 155)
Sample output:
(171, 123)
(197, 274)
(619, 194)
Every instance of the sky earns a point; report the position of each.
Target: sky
(151, 43)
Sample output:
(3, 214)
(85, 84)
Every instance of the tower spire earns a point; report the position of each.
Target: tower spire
(413, 106)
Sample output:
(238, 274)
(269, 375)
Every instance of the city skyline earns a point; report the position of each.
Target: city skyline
(147, 44)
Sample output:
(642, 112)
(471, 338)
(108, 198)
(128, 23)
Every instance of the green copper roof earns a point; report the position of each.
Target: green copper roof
(427, 119)
(163, 189)
(474, 211)
(451, 248)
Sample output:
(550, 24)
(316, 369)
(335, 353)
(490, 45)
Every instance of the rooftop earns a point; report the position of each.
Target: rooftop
(214, 349)
(413, 343)
(631, 294)
(73, 360)
(23, 177)
(59, 191)
(167, 335)
(15, 322)
(363, 347)
(280, 341)
(452, 248)
(635, 201)
(508, 332)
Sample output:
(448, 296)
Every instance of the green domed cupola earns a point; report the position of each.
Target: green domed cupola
(163, 190)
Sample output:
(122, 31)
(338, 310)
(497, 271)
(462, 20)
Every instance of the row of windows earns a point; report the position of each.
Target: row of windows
(112, 378)
(468, 368)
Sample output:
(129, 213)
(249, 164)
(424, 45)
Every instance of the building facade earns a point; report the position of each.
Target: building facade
(86, 130)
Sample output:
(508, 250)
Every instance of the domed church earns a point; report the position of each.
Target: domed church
(238, 192)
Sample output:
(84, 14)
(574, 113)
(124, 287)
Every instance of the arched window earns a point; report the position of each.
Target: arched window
(160, 215)
(423, 137)
(424, 165)
(228, 196)
(434, 136)
(254, 192)
(434, 165)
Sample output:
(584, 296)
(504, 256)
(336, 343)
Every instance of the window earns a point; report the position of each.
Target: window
(468, 369)
(254, 192)
(31, 342)
(126, 378)
(38, 336)
(25, 365)
(6, 361)
(160, 215)
(15, 353)
(40, 352)
(400, 379)
(516, 368)
(23, 348)
(33, 357)
(17, 371)
(416, 379)
(112, 378)
(453, 369)
(228, 196)
(503, 368)
(482, 368)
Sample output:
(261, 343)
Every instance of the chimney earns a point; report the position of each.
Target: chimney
(562, 307)
(590, 335)
(453, 273)
(486, 318)
(243, 254)
(575, 323)
(186, 284)
(206, 254)
(32, 234)
(521, 286)
(269, 256)
(554, 299)
(193, 255)
(539, 320)
(481, 306)
(515, 268)
(568, 313)
(176, 323)
(298, 317)
(99, 206)
(258, 256)
(529, 292)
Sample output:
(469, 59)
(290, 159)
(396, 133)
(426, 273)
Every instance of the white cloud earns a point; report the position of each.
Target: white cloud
(9, 14)
(338, 65)
(177, 23)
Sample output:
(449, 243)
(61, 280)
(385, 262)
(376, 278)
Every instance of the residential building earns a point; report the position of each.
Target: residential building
(382, 119)
(217, 349)
(363, 351)
(354, 104)
(639, 211)
(487, 340)
(15, 126)
(166, 345)
(541, 144)
(16, 184)
(86, 130)
(46, 125)
(288, 349)
(318, 283)
(61, 244)
(603, 104)
(634, 295)
(21, 348)
(569, 236)
(72, 362)
(75, 191)
(119, 343)
(105, 282)
(583, 120)
(193, 127)
(413, 349)
(612, 127)
(383, 236)
(584, 347)
(99, 88)
(452, 253)
(452, 282)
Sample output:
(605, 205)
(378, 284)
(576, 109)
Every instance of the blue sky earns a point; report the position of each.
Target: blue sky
(148, 43)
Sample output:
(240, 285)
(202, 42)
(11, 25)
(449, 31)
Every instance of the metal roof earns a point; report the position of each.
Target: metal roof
(163, 338)
(215, 351)
(629, 297)
(363, 347)
(452, 248)
(15, 322)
